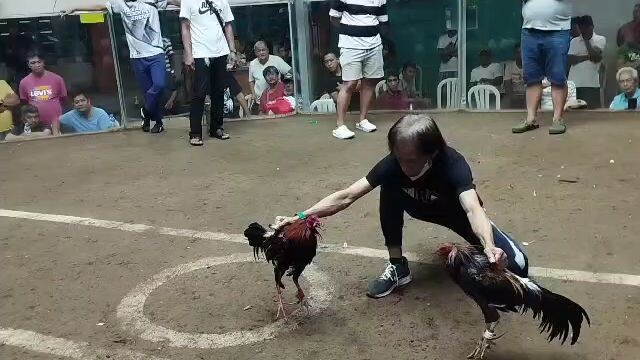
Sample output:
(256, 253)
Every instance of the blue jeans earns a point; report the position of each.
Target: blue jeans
(150, 73)
(394, 202)
(545, 54)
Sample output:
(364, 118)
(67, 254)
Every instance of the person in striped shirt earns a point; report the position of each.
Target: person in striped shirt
(360, 23)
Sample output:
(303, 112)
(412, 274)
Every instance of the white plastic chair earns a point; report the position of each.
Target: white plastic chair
(452, 89)
(380, 88)
(481, 95)
(323, 106)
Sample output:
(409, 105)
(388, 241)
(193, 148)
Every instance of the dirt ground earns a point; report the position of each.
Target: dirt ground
(61, 280)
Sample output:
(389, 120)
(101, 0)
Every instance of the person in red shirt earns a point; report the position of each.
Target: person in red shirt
(394, 98)
(273, 98)
(43, 89)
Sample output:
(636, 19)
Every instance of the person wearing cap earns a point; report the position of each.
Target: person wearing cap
(289, 89)
(448, 52)
(545, 46)
(585, 59)
(488, 73)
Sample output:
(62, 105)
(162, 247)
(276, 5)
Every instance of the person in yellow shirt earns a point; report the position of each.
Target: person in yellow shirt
(8, 100)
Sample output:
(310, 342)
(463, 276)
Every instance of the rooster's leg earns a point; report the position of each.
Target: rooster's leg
(302, 300)
(485, 342)
(280, 305)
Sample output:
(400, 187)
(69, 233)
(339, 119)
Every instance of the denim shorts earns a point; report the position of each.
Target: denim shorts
(544, 54)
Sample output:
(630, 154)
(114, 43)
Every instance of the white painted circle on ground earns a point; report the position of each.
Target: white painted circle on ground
(130, 312)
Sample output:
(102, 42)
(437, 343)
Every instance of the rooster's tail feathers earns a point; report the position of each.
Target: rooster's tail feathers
(557, 315)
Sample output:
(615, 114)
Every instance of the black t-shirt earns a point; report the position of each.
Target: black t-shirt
(441, 186)
(330, 84)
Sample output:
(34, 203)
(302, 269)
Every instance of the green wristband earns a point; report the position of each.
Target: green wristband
(301, 215)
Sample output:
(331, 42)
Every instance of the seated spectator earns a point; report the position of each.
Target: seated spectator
(333, 81)
(628, 99)
(85, 118)
(44, 90)
(256, 68)
(394, 97)
(514, 86)
(289, 90)
(585, 59)
(272, 100)
(28, 125)
(8, 101)
(488, 73)
(408, 79)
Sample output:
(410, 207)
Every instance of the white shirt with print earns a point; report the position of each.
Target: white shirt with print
(207, 36)
(141, 23)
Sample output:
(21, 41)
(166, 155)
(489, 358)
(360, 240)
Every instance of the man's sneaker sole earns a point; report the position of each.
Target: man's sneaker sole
(401, 282)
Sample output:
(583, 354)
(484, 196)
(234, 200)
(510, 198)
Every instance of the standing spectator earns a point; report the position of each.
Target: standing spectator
(629, 33)
(545, 46)
(585, 59)
(85, 117)
(514, 86)
(209, 48)
(43, 89)
(8, 101)
(448, 52)
(141, 22)
(628, 99)
(256, 68)
(361, 57)
(488, 73)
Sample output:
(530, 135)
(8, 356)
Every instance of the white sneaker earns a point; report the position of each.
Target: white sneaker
(366, 126)
(343, 133)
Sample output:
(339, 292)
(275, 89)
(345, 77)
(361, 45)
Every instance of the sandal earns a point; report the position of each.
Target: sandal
(220, 134)
(196, 141)
(524, 127)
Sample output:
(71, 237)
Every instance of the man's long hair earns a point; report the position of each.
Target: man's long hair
(420, 129)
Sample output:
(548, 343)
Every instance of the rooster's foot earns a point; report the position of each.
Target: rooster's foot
(485, 343)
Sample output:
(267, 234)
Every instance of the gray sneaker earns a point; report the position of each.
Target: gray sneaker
(394, 275)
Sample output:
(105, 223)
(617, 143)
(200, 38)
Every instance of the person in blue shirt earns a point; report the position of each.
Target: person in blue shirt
(628, 100)
(86, 118)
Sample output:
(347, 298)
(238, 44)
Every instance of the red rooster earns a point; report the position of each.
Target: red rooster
(290, 249)
(501, 290)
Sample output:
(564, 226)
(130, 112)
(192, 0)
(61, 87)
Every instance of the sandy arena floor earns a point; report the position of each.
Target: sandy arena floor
(125, 245)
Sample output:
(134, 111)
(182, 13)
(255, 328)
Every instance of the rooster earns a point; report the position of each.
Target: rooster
(290, 249)
(501, 290)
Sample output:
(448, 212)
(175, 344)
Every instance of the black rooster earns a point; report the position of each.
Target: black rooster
(290, 249)
(503, 290)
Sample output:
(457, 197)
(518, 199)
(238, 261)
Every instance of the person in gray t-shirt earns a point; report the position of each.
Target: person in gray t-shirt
(141, 22)
(545, 46)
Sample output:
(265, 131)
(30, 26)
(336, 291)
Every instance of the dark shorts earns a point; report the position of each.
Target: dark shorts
(545, 54)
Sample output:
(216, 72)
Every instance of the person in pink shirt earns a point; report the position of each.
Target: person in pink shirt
(43, 89)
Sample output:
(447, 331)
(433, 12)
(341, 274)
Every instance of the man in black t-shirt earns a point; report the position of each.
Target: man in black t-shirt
(333, 81)
(430, 181)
